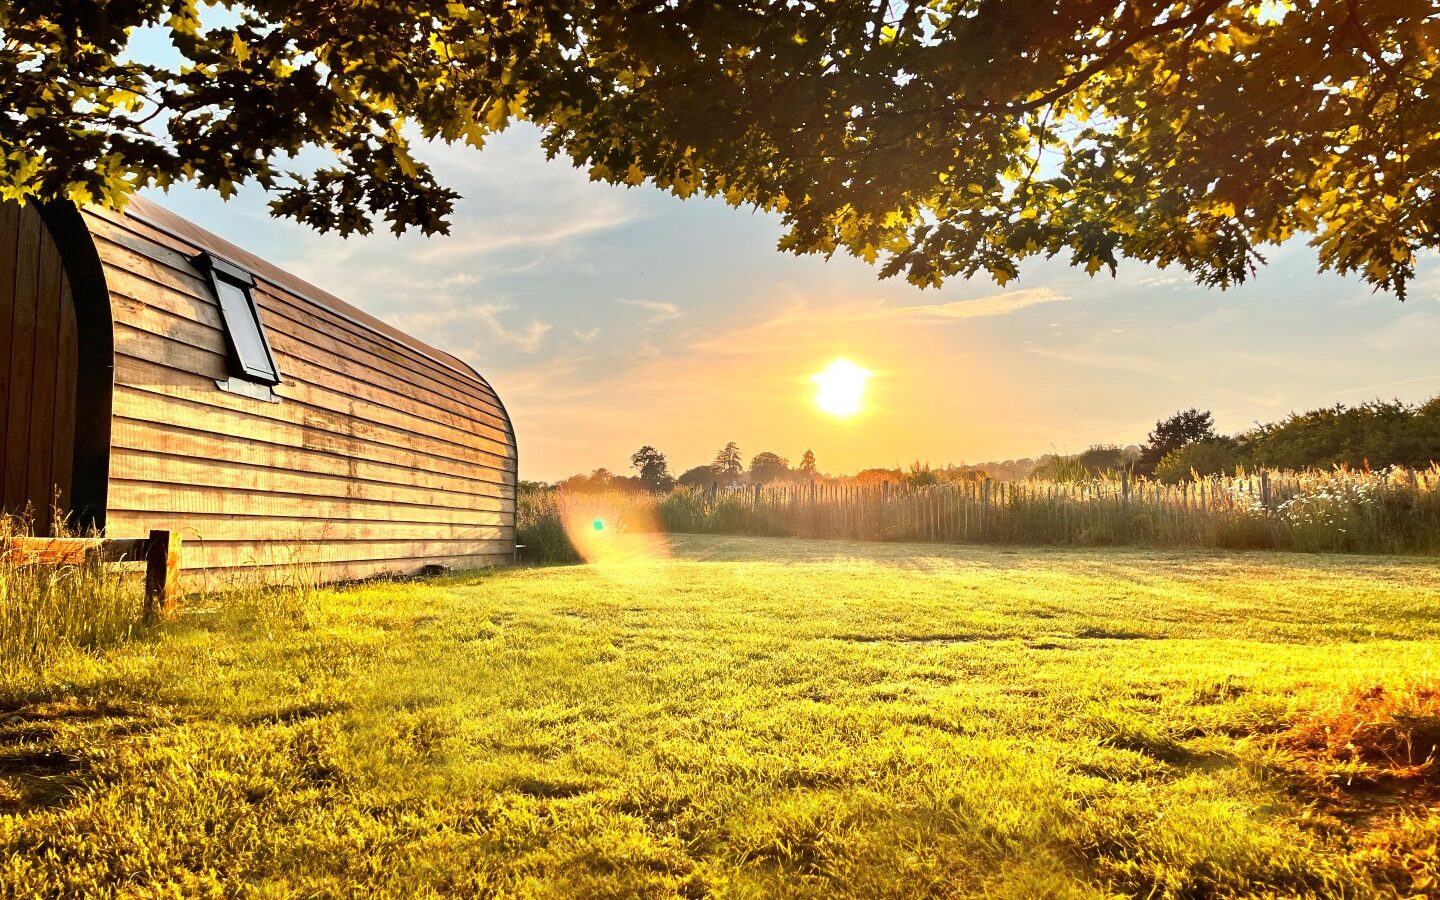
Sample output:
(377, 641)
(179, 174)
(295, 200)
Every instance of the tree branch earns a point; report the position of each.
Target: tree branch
(1194, 18)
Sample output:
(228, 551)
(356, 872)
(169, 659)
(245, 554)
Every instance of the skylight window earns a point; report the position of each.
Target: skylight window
(248, 350)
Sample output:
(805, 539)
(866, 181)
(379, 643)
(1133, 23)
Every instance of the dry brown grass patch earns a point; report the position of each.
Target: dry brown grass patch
(1377, 738)
(1368, 766)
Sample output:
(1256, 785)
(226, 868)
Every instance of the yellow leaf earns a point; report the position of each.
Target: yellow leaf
(496, 114)
(405, 161)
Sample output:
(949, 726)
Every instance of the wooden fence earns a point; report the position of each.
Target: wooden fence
(1392, 511)
(160, 552)
(985, 511)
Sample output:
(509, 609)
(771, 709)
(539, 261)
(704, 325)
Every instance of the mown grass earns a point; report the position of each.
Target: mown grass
(755, 718)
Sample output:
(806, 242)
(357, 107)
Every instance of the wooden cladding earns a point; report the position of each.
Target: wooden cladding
(38, 369)
(374, 453)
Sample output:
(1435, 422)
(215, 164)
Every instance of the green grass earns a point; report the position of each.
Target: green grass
(755, 718)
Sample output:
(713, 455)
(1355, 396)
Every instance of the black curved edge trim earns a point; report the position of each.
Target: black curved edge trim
(95, 382)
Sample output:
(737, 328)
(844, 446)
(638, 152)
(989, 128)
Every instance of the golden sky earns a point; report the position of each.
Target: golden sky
(608, 318)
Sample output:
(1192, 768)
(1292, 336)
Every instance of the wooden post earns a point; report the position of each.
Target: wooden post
(1265, 489)
(162, 574)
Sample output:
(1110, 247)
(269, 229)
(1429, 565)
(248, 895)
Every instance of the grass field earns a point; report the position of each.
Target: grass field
(755, 717)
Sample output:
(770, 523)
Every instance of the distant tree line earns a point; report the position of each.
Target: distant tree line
(728, 469)
(1378, 434)
(1375, 435)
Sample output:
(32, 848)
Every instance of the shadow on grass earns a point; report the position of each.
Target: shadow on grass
(36, 773)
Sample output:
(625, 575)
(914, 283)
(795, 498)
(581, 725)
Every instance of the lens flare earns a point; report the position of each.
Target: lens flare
(840, 388)
(615, 533)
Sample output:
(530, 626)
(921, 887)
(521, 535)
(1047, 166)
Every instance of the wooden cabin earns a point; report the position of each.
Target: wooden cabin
(156, 376)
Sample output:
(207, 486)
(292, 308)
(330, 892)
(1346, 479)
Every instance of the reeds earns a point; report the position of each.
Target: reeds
(540, 528)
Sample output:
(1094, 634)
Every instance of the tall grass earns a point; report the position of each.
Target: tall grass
(1344, 510)
(540, 528)
(46, 611)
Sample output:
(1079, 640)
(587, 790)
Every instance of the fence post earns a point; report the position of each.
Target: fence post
(1125, 485)
(162, 574)
(1265, 489)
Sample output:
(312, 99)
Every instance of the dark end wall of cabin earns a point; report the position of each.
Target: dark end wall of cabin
(54, 371)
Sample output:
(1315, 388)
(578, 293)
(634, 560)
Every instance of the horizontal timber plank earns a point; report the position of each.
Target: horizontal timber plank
(321, 351)
(225, 554)
(219, 580)
(118, 256)
(326, 431)
(25, 551)
(185, 441)
(72, 551)
(181, 498)
(226, 474)
(129, 290)
(158, 375)
(150, 334)
(310, 383)
(370, 347)
(227, 527)
(158, 312)
(204, 359)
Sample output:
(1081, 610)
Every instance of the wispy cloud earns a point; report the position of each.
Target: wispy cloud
(996, 305)
(435, 324)
(475, 236)
(801, 324)
(526, 338)
(1159, 280)
(1412, 331)
(1097, 356)
(660, 310)
(586, 337)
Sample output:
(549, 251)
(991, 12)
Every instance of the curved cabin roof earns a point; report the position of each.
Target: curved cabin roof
(164, 220)
(374, 452)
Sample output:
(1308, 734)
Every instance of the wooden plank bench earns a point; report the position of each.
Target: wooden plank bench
(160, 552)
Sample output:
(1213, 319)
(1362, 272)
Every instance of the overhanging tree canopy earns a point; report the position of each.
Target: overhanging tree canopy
(935, 138)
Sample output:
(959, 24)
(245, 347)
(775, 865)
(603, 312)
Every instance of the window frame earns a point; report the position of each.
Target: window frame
(217, 271)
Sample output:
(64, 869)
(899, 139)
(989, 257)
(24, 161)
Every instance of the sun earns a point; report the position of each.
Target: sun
(840, 388)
